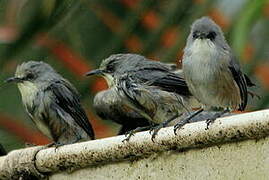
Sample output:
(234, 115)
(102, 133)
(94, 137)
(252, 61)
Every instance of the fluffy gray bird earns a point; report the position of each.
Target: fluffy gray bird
(52, 103)
(148, 88)
(109, 106)
(211, 71)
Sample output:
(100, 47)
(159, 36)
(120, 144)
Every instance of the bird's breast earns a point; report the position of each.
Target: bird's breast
(28, 92)
(208, 77)
(202, 61)
(202, 53)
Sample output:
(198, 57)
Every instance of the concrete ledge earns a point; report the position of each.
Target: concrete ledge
(97, 153)
(240, 160)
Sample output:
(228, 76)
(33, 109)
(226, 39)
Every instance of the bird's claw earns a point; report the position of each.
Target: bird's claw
(128, 135)
(178, 126)
(151, 130)
(154, 134)
(208, 122)
(154, 131)
(127, 139)
(55, 144)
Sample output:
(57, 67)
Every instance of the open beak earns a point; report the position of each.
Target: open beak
(94, 72)
(13, 79)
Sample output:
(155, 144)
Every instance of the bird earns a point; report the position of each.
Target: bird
(53, 103)
(148, 88)
(211, 71)
(109, 106)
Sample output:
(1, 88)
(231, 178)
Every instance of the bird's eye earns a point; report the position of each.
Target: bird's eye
(195, 35)
(211, 35)
(29, 76)
(109, 68)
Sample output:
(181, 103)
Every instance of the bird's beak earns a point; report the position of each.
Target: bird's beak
(202, 36)
(94, 72)
(13, 79)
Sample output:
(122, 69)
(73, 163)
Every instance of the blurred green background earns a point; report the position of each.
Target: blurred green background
(75, 35)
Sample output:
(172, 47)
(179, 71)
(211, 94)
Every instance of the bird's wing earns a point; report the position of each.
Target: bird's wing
(241, 82)
(158, 75)
(67, 98)
(138, 97)
(172, 83)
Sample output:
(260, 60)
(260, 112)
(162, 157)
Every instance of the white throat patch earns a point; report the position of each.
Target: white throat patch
(109, 79)
(203, 45)
(28, 91)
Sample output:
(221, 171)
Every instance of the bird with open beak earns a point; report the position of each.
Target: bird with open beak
(52, 103)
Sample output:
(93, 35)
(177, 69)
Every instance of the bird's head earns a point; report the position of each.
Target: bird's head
(32, 72)
(207, 31)
(111, 67)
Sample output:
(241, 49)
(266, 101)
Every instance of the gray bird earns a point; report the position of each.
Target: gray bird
(52, 103)
(109, 106)
(148, 88)
(211, 71)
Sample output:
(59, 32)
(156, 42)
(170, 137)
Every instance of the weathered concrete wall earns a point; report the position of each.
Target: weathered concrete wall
(239, 160)
(234, 147)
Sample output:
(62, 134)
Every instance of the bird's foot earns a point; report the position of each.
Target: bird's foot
(154, 131)
(131, 133)
(128, 135)
(55, 144)
(181, 124)
(186, 120)
(210, 121)
(50, 144)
